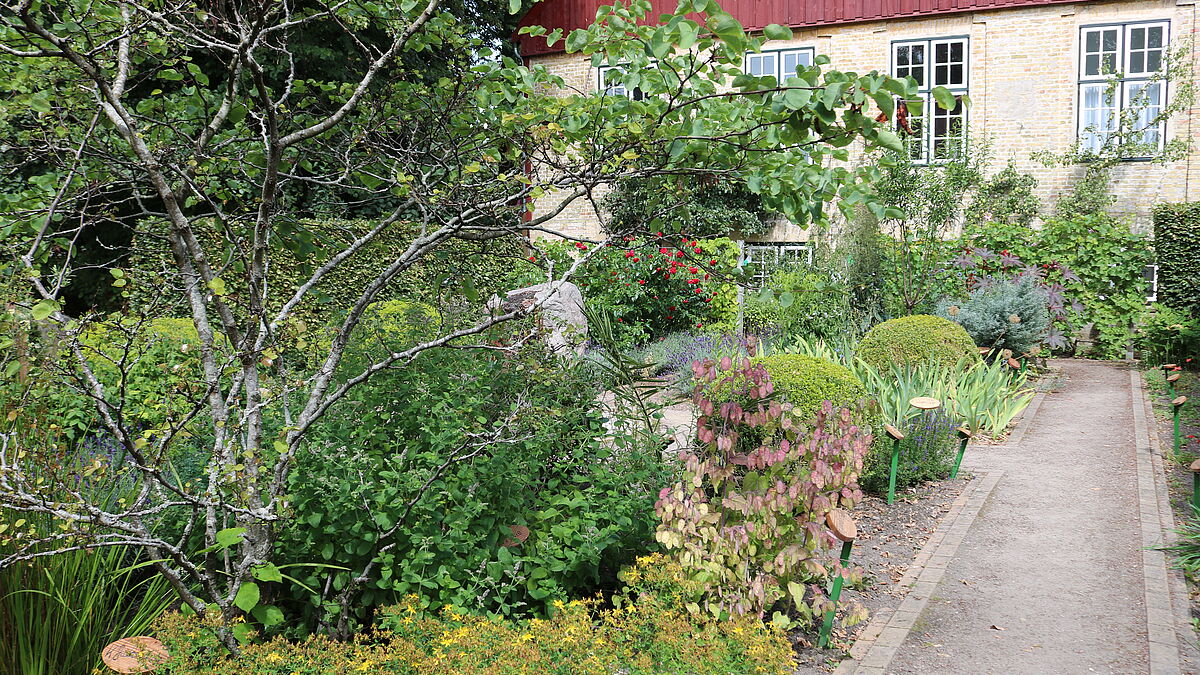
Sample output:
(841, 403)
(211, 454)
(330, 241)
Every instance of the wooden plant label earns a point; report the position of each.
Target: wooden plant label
(925, 403)
(841, 524)
(135, 655)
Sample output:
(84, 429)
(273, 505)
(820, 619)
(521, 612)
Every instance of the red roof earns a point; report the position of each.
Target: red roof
(755, 14)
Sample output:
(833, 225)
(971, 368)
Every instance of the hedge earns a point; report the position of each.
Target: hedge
(491, 266)
(1177, 246)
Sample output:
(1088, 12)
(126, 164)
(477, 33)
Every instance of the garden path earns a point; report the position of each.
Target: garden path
(1049, 577)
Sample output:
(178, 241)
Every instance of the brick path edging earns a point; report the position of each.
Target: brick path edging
(1164, 615)
(881, 639)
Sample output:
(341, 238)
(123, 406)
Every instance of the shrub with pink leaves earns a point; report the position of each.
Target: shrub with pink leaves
(747, 518)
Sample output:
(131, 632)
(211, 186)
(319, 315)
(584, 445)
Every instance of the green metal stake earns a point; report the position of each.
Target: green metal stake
(964, 434)
(843, 527)
(897, 436)
(1195, 469)
(1171, 380)
(1176, 406)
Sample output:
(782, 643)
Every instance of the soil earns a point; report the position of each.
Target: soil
(889, 537)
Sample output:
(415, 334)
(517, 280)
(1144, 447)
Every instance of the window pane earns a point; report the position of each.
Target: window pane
(941, 53)
(1137, 62)
(793, 60)
(1145, 99)
(1155, 34)
(1091, 65)
(956, 51)
(1137, 38)
(1153, 61)
(918, 54)
(1097, 116)
(1110, 63)
(956, 74)
(902, 56)
(1092, 42)
(1110, 40)
(941, 75)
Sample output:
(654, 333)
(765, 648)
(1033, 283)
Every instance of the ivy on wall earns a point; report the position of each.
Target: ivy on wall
(1177, 245)
(460, 267)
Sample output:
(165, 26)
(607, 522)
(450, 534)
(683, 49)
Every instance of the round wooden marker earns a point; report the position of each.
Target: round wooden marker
(1179, 400)
(1173, 378)
(893, 432)
(841, 524)
(963, 432)
(1014, 364)
(135, 655)
(1195, 467)
(925, 403)
(1169, 366)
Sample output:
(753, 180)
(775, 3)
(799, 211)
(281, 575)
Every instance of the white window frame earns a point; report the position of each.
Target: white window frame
(1089, 136)
(618, 89)
(1152, 291)
(926, 148)
(776, 255)
(777, 57)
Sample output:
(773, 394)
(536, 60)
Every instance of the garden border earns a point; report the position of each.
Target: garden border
(881, 639)
(1161, 585)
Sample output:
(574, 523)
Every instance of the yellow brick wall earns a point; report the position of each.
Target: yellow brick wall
(1023, 80)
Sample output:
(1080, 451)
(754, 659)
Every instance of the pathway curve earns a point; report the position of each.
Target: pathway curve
(1049, 578)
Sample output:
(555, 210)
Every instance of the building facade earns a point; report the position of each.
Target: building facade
(1036, 73)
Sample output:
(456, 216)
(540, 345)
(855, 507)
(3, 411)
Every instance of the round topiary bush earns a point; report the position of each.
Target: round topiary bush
(916, 339)
(807, 382)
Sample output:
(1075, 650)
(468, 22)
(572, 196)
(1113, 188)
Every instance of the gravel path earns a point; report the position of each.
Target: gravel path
(1049, 577)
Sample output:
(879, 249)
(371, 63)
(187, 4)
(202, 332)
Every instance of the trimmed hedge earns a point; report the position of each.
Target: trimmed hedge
(917, 339)
(1177, 247)
(807, 382)
(492, 266)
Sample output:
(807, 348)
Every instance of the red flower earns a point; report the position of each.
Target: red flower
(693, 270)
(679, 254)
(712, 262)
(642, 282)
(532, 259)
(698, 250)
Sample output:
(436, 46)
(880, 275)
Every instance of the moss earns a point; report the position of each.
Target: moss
(916, 339)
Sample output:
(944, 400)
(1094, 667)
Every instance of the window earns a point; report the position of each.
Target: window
(937, 134)
(1120, 80)
(780, 64)
(763, 259)
(1150, 274)
(609, 82)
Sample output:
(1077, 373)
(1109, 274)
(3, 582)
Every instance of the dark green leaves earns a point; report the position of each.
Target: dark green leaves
(944, 98)
(775, 31)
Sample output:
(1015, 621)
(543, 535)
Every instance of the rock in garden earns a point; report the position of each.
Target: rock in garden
(561, 314)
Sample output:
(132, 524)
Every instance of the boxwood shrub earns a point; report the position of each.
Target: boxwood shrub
(916, 339)
(807, 382)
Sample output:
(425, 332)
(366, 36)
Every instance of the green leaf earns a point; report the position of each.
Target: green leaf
(169, 74)
(217, 286)
(267, 615)
(786, 299)
(43, 309)
(889, 140)
(247, 596)
(469, 289)
(514, 6)
(230, 536)
(944, 98)
(775, 31)
(241, 632)
(267, 572)
(688, 32)
(796, 98)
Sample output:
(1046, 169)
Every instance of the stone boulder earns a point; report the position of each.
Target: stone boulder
(561, 314)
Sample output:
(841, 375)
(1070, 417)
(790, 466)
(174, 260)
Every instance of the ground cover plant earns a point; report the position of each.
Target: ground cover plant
(647, 630)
